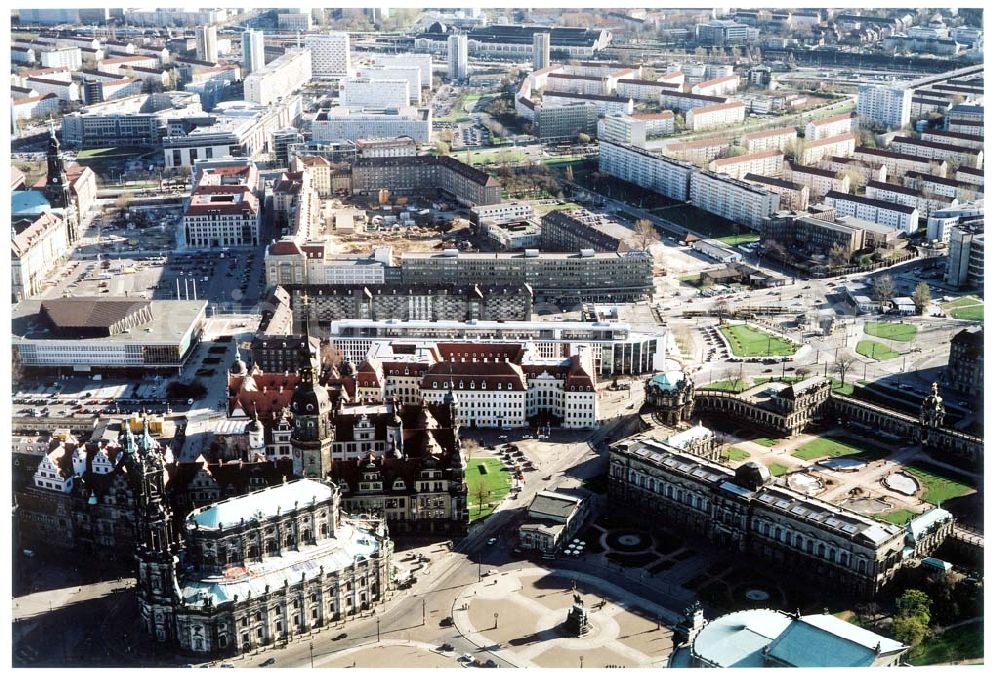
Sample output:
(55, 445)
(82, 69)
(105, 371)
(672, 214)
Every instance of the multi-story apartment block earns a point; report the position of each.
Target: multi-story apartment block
(818, 181)
(765, 163)
(207, 43)
(640, 90)
(682, 102)
(791, 196)
(715, 115)
(62, 57)
(921, 106)
(973, 141)
(279, 78)
(604, 104)
(845, 123)
(818, 149)
(738, 201)
(420, 174)
(870, 209)
(340, 122)
(566, 121)
(65, 91)
(377, 94)
(331, 55)
(383, 73)
(22, 55)
(400, 147)
(578, 84)
(700, 151)
(767, 139)
(970, 175)
(950, 153)
(884, 106)
(657, 124)
(541, 50)
(940, 222)
(653, 171)
(622, 129)
(120, 64)
(924, 203)
(899, 163)
(717, 87)
(974, 127)
(866, 171)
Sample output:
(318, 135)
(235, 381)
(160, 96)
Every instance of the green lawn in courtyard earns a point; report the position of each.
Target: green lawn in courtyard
(786, 380)
(489, 472)
(939, 485)
(900, 517)
(746, 341)
(504, 155)
(891, 331)
(555, 206)
(955, 644)
(841, 388)
(962, 301)
(777, 469)
(725, 385)
(736, 454)
(827, 447)
(741, 239)
(972, 312)
(876, 350)
(766, 442)
(112, 152)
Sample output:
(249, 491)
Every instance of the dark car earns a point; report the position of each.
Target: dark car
(268, 661)
(447, 621)
(446, 647)
(340, 636)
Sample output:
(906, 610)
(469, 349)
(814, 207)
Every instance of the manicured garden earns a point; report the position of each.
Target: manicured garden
(777, 470)
(766, 442)
(489, 474)
(900, 517)
(939, 486)
(891, 331)
(875, 350)
(746, 341)
(970, 312)
(736, 454)
(819, 448)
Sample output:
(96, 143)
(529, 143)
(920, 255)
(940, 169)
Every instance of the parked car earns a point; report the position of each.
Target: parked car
(268, 661)
(491, 541)
(445, 622)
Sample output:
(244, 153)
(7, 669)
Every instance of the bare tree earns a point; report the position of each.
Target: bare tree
(479, 491)
(447, 135)
(645, 236)
(843, 365)
(469, 447)
(921, 296)
(884, 287)
(802, 372)
(732, 376)
(838, 256)
(441, 148)
(720, 310)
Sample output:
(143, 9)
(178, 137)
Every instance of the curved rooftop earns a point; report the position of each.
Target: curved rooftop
(268, 503)
(737, 639)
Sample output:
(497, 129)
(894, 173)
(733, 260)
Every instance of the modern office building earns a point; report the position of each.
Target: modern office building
(870, 209)
(342, 123)
(279, 78)
(541, 45)
(374, 93)
(966, 255)
(299, 20)
(722, 33)
(411, 74)
(884, 106)
(557, 122)
(331, 55)
(573, 230)
(88, 334)
(458, 57)
(141, 120)
(615, 347)
(941, 221)
(253, 51)
(580, 277)
(219, 217)
(745, 203)
(207, 43)
(421, 61)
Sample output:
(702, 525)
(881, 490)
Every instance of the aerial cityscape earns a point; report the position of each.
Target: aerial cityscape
(494, 338)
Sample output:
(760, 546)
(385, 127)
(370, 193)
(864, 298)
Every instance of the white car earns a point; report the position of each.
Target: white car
(491, 541)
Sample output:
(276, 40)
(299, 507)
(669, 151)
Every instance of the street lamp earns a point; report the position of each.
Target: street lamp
(581, 661)
(496, 620)
(378, 629)
(423, 611)
(310, 654)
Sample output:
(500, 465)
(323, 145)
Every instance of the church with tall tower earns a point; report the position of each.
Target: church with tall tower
(58, 190)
